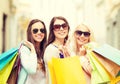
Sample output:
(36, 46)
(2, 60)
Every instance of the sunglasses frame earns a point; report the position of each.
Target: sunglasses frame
(86, 34)
(42, 30)
(58, 26)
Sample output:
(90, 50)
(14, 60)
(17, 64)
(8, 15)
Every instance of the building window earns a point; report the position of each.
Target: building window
(4, 32)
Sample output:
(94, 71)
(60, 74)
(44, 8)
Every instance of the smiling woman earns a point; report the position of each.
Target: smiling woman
(59, 29)
(31, 54)
(81, 36)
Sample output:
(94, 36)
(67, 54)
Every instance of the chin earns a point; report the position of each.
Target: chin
(38, 40)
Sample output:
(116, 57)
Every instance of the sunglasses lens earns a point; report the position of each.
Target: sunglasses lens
(42, 30)
(35, 31)
(79, 33)
(86, 34)
(64, 25)
(57, 27)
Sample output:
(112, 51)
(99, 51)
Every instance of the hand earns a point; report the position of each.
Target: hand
(29, 45)
(82, 51)
(64, 50)
(86, 64)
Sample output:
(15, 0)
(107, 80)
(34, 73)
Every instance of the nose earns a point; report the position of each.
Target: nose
(61, 28)
(82, 35)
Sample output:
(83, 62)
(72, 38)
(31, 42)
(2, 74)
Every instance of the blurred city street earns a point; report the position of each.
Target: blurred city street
(103, 17)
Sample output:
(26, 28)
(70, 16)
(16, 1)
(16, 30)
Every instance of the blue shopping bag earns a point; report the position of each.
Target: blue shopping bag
(5, 72)
(7, 56)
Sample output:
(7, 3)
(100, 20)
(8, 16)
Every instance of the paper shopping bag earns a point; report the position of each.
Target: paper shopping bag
(109, 52)
(52, 78)
(115, 80)
(6, 57)
(13, 78)
(5, 72)
(111, 66)
(68, 71)
(107, 55)
(99, 73)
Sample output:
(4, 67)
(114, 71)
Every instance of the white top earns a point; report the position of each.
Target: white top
(37, 78)
(50, 51)
(29, 73)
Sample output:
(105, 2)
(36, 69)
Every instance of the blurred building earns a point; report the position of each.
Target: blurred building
(103, 16)
(13, 21)
(4, 24)
(113, 23)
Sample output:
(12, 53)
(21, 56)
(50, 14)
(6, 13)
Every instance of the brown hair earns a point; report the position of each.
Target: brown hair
(51, 37)
(41, 49)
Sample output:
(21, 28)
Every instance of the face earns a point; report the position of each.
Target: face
(60, 29)
(82, 35)
(38, 31)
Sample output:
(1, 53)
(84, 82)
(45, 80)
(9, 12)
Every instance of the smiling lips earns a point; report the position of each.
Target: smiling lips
(39, 36)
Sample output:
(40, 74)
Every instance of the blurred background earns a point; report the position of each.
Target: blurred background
(103, 16)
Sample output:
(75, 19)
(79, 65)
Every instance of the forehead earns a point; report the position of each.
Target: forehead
(37, 25)
(58, 21)
(82, 28)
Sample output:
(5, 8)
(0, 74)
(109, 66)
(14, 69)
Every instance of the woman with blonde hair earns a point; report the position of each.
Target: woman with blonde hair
(81, 36)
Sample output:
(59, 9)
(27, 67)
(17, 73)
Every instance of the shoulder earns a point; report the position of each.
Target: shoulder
(24, 49)
(50, 47)
(50, 51)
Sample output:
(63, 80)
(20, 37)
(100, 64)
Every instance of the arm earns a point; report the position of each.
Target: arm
(28, 59)
(50, 52)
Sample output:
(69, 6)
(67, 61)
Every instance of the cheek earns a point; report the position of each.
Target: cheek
(33, 36)
(87, 39)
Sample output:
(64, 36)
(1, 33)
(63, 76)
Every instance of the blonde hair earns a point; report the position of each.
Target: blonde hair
(73, 40)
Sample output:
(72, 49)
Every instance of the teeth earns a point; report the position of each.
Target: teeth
(39, 36)
(62, 33)
(82, 40)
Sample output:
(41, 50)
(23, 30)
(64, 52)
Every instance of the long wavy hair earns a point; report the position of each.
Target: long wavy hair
(41, 49)
(51, 37)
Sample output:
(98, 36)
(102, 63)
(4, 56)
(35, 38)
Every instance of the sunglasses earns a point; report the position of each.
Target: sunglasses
(86, 34)
(58, 26)
(41, 30)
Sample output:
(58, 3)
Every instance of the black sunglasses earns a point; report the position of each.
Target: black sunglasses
(86, 34)
(41, 30)
(58, 26)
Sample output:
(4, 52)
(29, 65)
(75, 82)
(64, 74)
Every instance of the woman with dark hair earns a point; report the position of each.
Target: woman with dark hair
(56, 46)
(31, 54)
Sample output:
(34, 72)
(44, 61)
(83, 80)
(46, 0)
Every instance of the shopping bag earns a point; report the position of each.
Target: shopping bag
(13, 77)
(109, 57)
(6, 57)
(52, 78)
(115, 80)
(118, 74)
(111, 66)
(109, 52)
(99, 74)
(5, 72)
(67, 71)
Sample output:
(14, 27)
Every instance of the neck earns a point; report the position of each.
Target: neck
(58, 42)
(78, 49)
